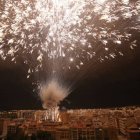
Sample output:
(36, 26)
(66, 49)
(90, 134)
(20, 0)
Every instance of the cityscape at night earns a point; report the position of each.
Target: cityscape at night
(69, 69)
(79, 124)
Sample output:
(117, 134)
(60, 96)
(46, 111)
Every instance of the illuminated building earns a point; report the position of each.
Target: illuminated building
(28, 114)
(12, 128)
(9, 114)
(65, 117)
(32, 128)
(62, 133)
(124, 123)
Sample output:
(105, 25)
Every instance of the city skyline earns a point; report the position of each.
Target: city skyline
(80, 124)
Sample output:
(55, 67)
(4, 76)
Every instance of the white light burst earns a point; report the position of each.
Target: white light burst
(73, 30)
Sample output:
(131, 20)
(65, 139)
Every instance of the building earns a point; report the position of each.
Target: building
(12, 128)
(1, 125)
(3, 128)
(28, 114)
(124, 123)
(74, 133)
(62, 133)
(133, 133)
(9, 114)
(86, 134)
(64, 117)
(32, 128)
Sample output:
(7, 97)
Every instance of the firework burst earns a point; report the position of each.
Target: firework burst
(70, 30)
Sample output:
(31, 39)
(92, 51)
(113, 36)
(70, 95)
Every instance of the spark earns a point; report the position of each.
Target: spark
(71, 59)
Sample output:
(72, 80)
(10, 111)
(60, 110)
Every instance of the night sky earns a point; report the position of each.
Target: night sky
(111, 83)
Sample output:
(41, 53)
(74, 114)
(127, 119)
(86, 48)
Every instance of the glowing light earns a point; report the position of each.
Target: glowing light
(52, 94)
(101, 1)
(71, 59)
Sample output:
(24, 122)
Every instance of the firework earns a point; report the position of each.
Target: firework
(71, 30)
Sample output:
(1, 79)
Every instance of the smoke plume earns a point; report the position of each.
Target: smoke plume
(52, 94)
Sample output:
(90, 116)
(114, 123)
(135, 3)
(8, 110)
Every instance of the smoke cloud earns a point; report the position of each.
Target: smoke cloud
(52, 93)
